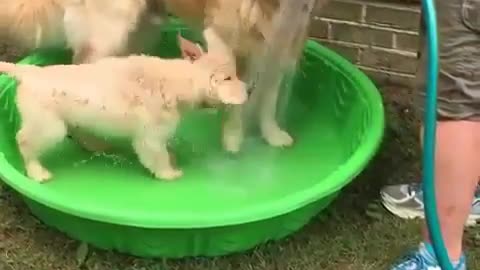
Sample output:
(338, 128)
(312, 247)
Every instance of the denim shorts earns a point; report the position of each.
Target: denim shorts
(459, 78)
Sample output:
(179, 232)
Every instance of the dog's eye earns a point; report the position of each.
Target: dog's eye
(229, 78)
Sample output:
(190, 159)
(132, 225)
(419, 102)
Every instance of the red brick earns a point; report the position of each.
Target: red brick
(340, 11)
(318, 29)
(350, 53)
(381, 78)
(407, 42)
(388, 61)
(391, 17)
(363, 35)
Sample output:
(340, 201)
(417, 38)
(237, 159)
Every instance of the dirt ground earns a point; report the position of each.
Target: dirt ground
(354, 233)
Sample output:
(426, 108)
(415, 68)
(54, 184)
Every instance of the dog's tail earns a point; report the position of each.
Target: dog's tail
(32, 23)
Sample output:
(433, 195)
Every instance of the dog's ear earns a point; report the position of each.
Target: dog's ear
(189, 50)
(232, 93)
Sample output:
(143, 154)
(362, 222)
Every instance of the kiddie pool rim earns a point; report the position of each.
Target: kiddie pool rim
(330, 185)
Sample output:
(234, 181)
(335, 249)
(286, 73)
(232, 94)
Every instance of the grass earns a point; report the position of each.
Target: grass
(354, 233)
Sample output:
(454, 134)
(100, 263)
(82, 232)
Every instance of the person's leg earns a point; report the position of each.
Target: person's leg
(406, 201)
(458, 130)
(456, 170)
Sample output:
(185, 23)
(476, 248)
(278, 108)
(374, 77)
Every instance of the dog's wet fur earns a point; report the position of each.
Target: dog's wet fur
(141, 98)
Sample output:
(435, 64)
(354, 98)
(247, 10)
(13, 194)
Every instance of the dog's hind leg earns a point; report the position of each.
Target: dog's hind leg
(36, 136)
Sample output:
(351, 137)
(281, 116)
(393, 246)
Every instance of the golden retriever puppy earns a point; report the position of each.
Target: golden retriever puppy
(137, 97)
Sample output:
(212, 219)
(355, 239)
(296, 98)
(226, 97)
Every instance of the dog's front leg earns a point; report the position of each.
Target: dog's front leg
(94, 36)
(271, 132)
(233, 133)
(154, 156)
(150, 144)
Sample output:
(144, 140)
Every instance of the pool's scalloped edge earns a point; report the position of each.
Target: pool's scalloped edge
(295, 201)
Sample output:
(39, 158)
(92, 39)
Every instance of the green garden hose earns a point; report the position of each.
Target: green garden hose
(429, 136)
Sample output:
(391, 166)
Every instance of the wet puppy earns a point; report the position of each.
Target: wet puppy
(136, 97)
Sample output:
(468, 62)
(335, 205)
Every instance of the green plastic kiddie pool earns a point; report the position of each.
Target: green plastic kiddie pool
(224, 203)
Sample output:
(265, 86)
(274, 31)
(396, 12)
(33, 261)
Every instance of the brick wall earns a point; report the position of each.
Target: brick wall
(381, 37)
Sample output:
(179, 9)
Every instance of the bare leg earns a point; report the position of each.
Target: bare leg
(457, 171)
(34, 138)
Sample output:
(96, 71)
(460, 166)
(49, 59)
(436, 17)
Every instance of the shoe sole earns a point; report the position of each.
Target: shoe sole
(409, 214)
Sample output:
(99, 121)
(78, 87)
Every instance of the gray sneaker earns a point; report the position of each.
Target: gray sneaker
(406, 201)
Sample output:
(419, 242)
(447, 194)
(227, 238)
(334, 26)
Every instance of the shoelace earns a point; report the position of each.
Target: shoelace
(412, 262)
(412, 190)
(415, 261)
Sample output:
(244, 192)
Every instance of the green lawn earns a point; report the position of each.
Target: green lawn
(355, 233)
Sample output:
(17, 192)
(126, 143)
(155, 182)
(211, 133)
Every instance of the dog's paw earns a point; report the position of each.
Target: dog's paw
(232, 142)
(38, 173)
(170, 174)
(278, 138)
